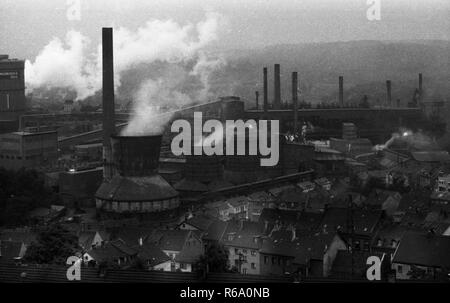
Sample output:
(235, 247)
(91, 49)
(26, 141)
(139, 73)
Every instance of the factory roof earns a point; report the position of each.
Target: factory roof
(136, 189)
(191, 186)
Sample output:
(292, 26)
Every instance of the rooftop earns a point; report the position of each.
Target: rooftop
(423, 249)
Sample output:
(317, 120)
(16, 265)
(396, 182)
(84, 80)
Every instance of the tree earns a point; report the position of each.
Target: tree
(20, 192)
(54, 245)
(215, 259)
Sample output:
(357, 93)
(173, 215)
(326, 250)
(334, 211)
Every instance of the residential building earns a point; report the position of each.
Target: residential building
(422, 256)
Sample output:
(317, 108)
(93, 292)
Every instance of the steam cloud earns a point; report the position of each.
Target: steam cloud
(69, 64)
(417, 140)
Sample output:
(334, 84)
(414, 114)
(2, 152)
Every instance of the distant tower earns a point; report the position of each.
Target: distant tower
(12, 88)
(277, 87)
(341, 91)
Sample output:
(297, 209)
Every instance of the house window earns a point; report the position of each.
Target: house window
(236, 262)
(357, 245)
(274, 260)
(266, 259)
(400, 269)
(244, 251)
(253, 266)
(244, 271)
(236, 251)
(183, 265)
(253, 252)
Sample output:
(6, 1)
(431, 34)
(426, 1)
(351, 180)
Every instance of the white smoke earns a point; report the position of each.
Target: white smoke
(69, 64)
(417, 140)
(65, 65)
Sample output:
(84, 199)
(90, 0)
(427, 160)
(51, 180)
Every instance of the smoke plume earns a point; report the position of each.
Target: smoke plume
(416, 140)
(180, 49)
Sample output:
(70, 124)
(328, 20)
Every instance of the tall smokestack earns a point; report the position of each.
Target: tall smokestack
(277, 90)
(389, 94)
(420, 84)
(265, 93)
(295, 99)
(341, 91)
(108, 100)
(257, 99)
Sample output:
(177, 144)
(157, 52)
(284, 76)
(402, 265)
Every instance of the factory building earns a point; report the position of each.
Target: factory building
(350, 144)
(29, 150)
(77, 187)
(135, 185)
(12, 92)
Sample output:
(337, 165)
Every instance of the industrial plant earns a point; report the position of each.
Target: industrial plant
(352, 182)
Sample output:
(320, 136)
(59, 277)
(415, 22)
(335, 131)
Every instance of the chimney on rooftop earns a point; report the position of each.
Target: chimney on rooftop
(389, 95)
(341, 91)
(265, 105)
(295, 99)
(277, 88)
(257, 99)
(107, 99)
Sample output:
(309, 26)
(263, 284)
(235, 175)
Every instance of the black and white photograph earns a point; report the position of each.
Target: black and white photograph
(223, 149)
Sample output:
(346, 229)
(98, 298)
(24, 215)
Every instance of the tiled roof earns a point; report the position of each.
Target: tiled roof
(131, 235)
(423, 249)
(111, 251)
(202, 222)
(86, 238)
(364, 221)
(170, 239)
(215, 230)
(150, 252)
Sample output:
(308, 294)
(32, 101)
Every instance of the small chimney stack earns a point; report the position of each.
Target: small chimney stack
(389, 94)
(265, 105)
(341, 91)
(277, 88)
(257, 99)
(295, 99)
(107, 99)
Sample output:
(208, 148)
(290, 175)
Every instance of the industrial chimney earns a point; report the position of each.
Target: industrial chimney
(265, 93)
(341, 91)
(108, 100)
(389, 94)
(295, 99)
(420, 84)
(277, 89)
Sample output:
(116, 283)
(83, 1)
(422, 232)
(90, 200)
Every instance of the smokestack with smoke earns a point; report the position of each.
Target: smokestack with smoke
(109, 127)
(72, 66)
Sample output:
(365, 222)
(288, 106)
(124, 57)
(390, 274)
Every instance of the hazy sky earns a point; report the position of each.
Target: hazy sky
(28, 25)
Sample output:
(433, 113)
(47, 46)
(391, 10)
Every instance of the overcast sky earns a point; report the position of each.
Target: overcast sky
(28, 25)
